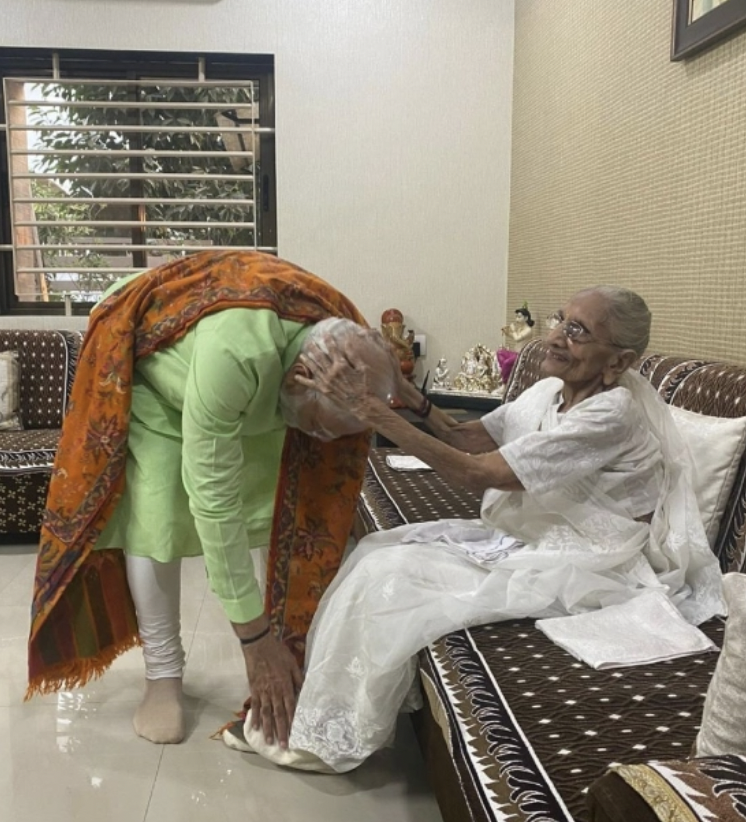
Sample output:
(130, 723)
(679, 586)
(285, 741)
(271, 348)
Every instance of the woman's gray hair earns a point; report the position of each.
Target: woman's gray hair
(628, 317)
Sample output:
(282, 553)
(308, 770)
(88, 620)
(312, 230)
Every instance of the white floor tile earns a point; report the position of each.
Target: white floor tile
(14, 564)
(73, 756)
(205, 780)
(67, 761)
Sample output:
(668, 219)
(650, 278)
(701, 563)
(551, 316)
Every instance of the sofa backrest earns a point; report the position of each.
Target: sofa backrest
(47, 361)
(712, 388)
(526, 369)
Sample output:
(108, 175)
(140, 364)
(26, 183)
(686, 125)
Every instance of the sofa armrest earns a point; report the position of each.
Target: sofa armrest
(611, 799)
(664, 790)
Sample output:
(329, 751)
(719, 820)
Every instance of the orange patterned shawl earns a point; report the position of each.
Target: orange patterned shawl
(82, 612)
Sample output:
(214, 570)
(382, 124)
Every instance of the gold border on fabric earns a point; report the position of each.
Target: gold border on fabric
(662, 798)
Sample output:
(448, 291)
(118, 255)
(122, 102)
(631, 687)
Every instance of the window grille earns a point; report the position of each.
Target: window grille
(109, 177)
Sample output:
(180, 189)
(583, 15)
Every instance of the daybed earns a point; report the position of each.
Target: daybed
(514, 728)
(46, 364)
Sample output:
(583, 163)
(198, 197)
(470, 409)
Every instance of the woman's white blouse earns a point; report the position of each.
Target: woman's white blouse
(603, 439)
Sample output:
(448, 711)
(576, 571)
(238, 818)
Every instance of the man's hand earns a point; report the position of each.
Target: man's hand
(274, 679)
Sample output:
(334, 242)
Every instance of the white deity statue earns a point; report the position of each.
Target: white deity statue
(441, 374)
(520, 331)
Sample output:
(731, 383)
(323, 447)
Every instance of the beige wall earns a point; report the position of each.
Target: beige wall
(393, 141)
(629, 169)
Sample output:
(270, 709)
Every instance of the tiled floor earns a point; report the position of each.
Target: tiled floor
(73, 756)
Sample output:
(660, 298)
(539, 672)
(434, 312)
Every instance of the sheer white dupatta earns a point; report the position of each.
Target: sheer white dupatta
(678, 550)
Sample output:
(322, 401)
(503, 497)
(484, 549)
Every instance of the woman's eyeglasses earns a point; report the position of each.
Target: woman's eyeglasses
(573, 330)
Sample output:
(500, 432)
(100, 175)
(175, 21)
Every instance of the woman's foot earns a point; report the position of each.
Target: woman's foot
(160, 716)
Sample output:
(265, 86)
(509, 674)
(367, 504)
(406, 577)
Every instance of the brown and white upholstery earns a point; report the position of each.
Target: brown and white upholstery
(47, 361)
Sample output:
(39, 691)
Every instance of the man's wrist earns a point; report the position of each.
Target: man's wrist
(250, 640)
(248, 632)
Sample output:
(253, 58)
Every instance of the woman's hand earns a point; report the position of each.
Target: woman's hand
(275, 680)
(332, 374)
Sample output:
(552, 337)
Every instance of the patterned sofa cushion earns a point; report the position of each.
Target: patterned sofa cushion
(28, 451)
(10, 396)
(47, 361)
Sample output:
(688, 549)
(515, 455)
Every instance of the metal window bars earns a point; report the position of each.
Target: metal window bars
(110, 177)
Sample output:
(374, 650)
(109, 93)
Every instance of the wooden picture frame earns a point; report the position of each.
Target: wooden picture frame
(692, 36)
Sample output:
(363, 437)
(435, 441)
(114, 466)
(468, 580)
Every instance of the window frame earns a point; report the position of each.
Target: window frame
(48, 63)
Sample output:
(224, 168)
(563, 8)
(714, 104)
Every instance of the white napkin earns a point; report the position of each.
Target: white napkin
(647, 628)
(405, 463)
(488, 552)
(466, 538)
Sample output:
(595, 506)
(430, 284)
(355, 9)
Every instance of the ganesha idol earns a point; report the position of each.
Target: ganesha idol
(392, 328)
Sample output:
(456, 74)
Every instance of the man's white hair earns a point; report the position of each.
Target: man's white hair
(361, 345)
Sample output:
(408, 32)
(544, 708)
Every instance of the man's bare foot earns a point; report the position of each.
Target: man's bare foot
(160, 716)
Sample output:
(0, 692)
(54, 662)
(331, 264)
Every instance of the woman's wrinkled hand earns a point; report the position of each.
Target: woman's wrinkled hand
(332, 374)
(275, 680)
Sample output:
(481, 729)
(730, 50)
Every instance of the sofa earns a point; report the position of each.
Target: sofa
(514, 728)
(46, 361)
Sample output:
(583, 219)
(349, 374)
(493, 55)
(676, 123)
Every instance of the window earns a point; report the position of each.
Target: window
(117, 162)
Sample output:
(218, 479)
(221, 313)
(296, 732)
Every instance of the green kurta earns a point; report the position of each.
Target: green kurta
(205, 443)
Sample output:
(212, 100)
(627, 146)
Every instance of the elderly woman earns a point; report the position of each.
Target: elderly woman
(586, 503)
(188, 435)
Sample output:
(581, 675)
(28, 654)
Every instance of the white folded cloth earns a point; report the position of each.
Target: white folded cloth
(488, 552)
(466, 538)
(406, 463)
(647, 628)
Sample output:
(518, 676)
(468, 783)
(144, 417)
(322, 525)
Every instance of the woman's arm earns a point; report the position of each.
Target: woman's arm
(477, 472)
(471, 437)
(346, 384)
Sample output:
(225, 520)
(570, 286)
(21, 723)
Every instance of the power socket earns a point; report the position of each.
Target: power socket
(420, 342)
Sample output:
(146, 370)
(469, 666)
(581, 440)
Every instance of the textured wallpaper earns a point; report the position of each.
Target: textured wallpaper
(630, 169)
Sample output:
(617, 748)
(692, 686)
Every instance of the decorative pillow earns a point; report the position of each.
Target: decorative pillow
(723, 728)
(716, 445)
(10, 397)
